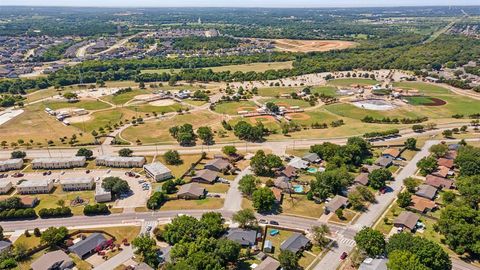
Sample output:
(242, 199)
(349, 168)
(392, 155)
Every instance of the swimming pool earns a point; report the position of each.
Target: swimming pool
(298, 189)
(312, 170)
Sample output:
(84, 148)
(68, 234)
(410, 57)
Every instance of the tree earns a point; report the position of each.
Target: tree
(115, 185)
(169, 187)
(37, 232)
(183, 134)
(245, 218)
(263, 199)
(469, 188)
(54, 236)
(248, 184)
(404, 199)
(371, 241)
(288, 260)
(156, 200)
(319, 235)
(429, 253)
(404, 260)
(447, 133)
(18, 154)
(411, 144)
(229, 150)
(205, 134)
(172, 157)
(448, 197)
(147, 248)
(125, 152)
(272, 107)
(330, 182)
(468, 160)
(70, 95)
(411, 184)
(245, 131)
(263, 165)
(439, 150)
(84, 152)
(339, 213)
(427, 165)
(379, 177)
(366, 194)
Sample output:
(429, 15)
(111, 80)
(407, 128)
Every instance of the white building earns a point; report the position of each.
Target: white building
(11, 164)
(84, 183)
(58, 163)
(5, 186)
(157, 171)
(35, 186)
(120, 162)
(101, 195)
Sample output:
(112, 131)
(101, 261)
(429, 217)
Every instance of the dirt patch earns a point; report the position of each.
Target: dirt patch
(162, 102)
(144, 97)
(79, 119)
(292, 45)
(264, 119)
(247, 108)
(436, 102)
(299, 116)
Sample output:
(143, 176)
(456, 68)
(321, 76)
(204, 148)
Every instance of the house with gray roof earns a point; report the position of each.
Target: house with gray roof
(295, 243)
(283, 183)
(88, 245)
(427, 192)
(4, 246)
(384, 161)
(205, 176)
(407, 220)
(312, 158)
(191, 191)
(246, 238)
(57, 260)
(336, 203)
(218, 165)
(298, 163)
(268, 263)
(361, 179)
(157, 171)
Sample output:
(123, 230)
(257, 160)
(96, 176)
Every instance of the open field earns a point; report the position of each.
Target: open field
(293, 45)
(103, 118)
(233, 108)
(277, 91)
(147, 108)
(178, 170)
(287, 102)
(298, 205)
(257, 67)
(90, 105)
(350, 81)
(207, 203)
(124, 97)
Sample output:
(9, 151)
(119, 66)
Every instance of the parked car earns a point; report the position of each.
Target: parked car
(343, 256)
(263, 221)
(18, 174)
(87, 171)
(273, 222)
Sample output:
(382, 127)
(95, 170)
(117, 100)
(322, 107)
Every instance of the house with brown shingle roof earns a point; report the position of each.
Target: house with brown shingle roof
(336, 203)
(393, 152)
(205, 176)
(278, 193)
(427, 192)
(445, 162)
(439, 182)
(442, 171)
(361, 179)
(422, 205)
(191, 191)
(406, 220)
(289, 172)
(218, 165)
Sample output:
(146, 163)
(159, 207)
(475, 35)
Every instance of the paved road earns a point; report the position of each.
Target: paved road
(233, 200)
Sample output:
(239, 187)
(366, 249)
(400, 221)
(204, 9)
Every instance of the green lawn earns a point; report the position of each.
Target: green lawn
(350, 81)
(287, 102)
(232, 108)
(298, 205)
(124, 97)
(103, 118)
(419, 101)
(158, 109)
(207, 203)
(90, 105)
(257, 67)
(50, 200)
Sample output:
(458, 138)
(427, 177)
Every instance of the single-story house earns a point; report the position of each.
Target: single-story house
(295, 243)
(218, 165)
(157, 171)
(283, 183)
(29, 202)
(445, 162)
(442, 171)
(89, 245)
(58, 260)
(373, 264)
(312, 158)
(407, 220)
(278, 193)
(4, 246)
(191, 191)
(289, 172)
(392, 152)
(384, 161)
(427, 192)
(361, 179)
(246, 238)
(439, 182)
(268, 264)
(422, 205)
(298, 163)
(452, 154)
(371, 168)
(205, 176)
(336, 203)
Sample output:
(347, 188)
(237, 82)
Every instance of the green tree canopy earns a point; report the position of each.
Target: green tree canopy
(371, 241)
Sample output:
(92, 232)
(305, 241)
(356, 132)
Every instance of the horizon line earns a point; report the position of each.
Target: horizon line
(270, 7)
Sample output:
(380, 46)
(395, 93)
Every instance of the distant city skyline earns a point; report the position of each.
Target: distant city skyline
(238, 3)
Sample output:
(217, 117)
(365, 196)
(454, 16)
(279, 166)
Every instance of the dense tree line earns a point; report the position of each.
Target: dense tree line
(55, 212)
(96, 209)
(388, 120)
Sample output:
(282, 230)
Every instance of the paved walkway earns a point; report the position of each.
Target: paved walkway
(116, 260)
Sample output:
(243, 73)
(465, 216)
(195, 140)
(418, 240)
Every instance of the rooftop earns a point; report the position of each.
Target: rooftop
(157, 168)
(52, 260)
(407, 219)
(243, 237)
(59, 159)
(35, 183)
(121, 159)
(336, 203)
(88, 244)
(191, 188)
(426, 191)
(295, 243)
(80, 180)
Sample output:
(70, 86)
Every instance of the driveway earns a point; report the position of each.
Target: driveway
(233, 199)
(117, 260)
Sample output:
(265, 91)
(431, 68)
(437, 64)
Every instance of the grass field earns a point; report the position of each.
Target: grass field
(287, 102)
(232, 108)
(207, 203)
(350, 81)
(90, 105)
(298, 205)
(277, 91)
(146, 108)
(103, 118)
(257, 67)
(50, 200)
(124, 97)
(295, 45)
(420, 100)
(178, 170)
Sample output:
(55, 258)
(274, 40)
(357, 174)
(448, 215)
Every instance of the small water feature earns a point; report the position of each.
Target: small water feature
(374, 104)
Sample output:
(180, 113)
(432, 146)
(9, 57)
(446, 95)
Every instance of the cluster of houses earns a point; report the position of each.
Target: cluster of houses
(423, 201)
(248, 238)
(282, 111)
(62, 115)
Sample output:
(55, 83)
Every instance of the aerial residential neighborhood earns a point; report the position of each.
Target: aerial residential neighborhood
(239, 135)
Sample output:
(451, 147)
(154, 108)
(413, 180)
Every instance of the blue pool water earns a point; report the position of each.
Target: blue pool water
(312, 170)
(298, 189)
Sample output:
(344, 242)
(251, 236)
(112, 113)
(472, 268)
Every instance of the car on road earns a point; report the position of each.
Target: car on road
(383, 190)
(87, 171)
(273, 222)
(343, 256)
(149, 228)
(262, 221)
(17, 174)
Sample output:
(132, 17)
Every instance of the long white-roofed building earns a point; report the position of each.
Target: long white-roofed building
(5, 186)
(11, 164)
(58, 162)
(80, 183)
(120, 162)
(157, 171)
(102, 195)
(35, 186)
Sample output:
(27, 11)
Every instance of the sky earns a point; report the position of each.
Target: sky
(238, 3)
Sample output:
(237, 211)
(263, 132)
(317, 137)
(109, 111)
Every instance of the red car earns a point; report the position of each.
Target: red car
(343, 256)
(18, 174)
